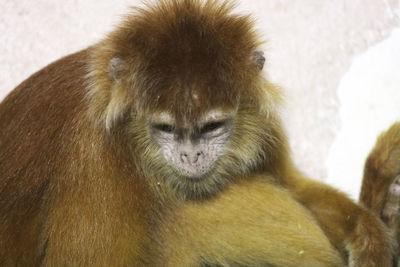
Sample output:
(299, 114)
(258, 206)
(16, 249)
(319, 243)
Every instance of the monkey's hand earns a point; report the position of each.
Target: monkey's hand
(353, 229)
(370, 243)
(391, 207)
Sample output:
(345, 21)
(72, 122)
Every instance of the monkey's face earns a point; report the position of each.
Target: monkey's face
(193, 148)
(183, 95)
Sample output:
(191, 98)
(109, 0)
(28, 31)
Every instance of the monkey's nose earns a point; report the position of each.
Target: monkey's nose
(191, 157)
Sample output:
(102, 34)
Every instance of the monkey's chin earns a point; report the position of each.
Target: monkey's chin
(196, 186)
(195, 178)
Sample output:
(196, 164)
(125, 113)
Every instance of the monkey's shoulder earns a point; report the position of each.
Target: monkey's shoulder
(56, 80)
(37, 111)
(56, 89)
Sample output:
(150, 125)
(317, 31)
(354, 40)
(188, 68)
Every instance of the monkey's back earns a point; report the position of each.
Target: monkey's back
(36, 113)
(33, 119)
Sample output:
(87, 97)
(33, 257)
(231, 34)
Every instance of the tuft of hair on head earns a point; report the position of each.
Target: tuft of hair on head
(166, 52)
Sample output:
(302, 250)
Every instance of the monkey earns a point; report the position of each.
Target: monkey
(382, 177)
(162, 145)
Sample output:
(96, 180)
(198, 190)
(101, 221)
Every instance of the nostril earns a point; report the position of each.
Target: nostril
(184, 157)
(197, 157)
(190, 158)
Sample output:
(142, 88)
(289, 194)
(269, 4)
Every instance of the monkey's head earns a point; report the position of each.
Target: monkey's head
(182, 80)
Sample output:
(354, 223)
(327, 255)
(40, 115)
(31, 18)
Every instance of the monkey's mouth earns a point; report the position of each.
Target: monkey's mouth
(193, 173)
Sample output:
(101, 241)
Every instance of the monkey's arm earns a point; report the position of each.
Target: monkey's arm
(381, 170)
(349, 224)
(380, 190)
(252, 223)
(350, 227)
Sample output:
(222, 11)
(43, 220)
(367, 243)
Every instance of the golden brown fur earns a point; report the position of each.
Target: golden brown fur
(239, 226)
(381, 183)
(83, 184)
(382, 166)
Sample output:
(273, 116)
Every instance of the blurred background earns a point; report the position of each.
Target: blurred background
(337, 61)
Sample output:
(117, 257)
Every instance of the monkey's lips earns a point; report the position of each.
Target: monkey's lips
(193, 174)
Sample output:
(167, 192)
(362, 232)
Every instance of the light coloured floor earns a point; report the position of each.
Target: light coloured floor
(320, 52)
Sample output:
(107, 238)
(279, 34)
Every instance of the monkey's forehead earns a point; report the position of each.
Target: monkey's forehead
(187, 105)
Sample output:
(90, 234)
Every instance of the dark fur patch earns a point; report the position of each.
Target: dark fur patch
(204, 49)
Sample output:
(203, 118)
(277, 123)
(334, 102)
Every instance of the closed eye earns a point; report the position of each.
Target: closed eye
(166, 128)
(209, 127)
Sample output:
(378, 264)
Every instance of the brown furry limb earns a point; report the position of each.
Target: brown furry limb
(380, 188)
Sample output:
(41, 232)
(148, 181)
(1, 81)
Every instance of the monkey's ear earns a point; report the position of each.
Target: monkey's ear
(115, 68)
(119, 99)
(258, 59)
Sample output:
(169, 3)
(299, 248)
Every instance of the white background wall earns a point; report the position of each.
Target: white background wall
(337, 61)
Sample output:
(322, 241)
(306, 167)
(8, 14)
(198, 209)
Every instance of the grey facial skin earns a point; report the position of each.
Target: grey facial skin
(192, 150)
